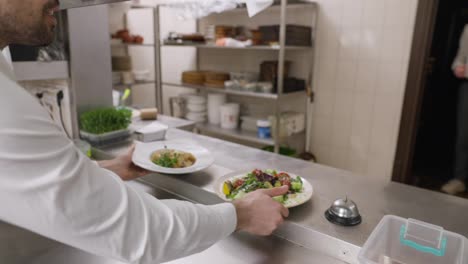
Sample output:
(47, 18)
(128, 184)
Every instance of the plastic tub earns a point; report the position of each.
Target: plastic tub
(230, 116)
(397, 240)
(264, 129)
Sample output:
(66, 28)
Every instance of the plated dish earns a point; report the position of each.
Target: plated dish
(172, 157)
(236, 185)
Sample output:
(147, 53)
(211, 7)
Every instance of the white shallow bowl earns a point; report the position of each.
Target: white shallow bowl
(300, 198)
(142, 156)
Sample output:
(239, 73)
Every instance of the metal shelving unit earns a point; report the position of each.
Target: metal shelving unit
(261, 47)
(270, 96)
(281, 49)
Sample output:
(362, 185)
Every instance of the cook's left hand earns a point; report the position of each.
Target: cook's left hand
(123, 166)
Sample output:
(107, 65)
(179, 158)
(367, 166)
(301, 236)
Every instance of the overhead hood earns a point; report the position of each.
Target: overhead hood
(66, 4)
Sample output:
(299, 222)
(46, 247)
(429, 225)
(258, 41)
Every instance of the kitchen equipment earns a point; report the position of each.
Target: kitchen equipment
(116, 77)
(343, 212)
(249, 123)
(149, 114)
(295, 35)
(141, 76)
(299, 199)
(127, 78)
(265, 87)
(269, 71)
(105, 138)
(400, 240)
(152, 132)
(230, 115)
(196, 108)
(256, 37)
(215, 101)
(224, 31)
(264, 129)
(177, 107)
(121, 63)
(244, 77)
(66, 4)
(250, 87)
(115, 98)
(193, 77)
(290, 123)
(215, 79)
(194, 99)
(142, 156)
(196, 117)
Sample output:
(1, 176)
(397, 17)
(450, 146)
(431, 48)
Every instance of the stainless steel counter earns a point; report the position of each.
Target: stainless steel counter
(307, 225)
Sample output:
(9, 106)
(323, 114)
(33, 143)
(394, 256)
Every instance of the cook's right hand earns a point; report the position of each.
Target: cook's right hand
(460, 71)
(258, 213)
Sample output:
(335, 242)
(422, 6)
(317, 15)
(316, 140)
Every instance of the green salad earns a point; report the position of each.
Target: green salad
(258, 179)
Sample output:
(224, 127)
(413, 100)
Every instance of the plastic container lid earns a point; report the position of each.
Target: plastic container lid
(408, 241)
(263, 123)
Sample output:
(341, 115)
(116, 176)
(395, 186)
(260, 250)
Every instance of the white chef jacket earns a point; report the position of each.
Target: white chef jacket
(55, 201)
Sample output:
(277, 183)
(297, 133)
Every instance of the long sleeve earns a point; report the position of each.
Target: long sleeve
(50, 188)
(462, 54)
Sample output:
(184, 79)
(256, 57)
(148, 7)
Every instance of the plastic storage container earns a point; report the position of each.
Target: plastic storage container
(264, 129)
(396, 240)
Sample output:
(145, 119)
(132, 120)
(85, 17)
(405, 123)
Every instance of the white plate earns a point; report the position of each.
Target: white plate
(300, 198)
(143, 151)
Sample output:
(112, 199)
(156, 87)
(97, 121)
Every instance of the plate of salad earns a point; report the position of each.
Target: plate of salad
(172, 157)
(236, 185)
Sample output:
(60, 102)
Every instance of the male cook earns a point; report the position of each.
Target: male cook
(54, 200)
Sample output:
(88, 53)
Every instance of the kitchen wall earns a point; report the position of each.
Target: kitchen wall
(361, 69)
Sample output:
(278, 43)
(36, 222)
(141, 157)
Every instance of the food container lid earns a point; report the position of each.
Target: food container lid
(263, 123)
(410, 241)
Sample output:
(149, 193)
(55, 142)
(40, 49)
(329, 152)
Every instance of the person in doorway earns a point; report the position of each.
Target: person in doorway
(55, 199)
(458, 184)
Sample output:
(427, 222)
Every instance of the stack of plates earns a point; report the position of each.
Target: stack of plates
(196, 108)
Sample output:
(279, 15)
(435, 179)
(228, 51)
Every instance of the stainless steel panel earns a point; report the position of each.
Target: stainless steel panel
(90, 57)
(66, 4)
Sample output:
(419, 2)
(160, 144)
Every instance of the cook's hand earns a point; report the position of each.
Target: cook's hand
(460, 71)
(258, 213)
(123, 166)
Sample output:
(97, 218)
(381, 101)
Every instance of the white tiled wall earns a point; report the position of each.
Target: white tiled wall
(362, 60)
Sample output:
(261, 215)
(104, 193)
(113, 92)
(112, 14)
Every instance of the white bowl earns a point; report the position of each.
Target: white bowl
(197, 108)
(195, 99)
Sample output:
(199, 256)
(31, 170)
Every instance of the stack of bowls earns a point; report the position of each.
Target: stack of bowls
(215, 101)
(195, 108)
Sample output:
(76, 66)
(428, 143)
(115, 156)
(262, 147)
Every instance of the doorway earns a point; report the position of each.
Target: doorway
(425, 151)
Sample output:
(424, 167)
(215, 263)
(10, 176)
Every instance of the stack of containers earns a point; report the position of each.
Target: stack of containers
(196, 108)
(215, 101)
(230, 116)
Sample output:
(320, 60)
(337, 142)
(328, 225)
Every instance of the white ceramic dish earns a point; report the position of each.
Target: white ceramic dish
(142, 156)
(299, 199)
(196, 107)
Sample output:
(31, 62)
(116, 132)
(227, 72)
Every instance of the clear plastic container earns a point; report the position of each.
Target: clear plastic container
(407, 241)
(106, 138)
